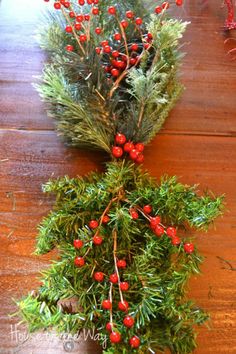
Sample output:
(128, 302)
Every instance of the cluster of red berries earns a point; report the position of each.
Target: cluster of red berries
(165, 5)
(134, 150)
(159, 229)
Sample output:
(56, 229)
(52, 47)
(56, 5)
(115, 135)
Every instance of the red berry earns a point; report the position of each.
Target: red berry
(57, 5)
(104, 43)
(68, 29)
(149, 35)
(175, 241)
(112, 10)
(138, 21)
(133, 154)
(79, 261)
(81, 2)
(134, 47)
(95, 11)
(46, 0)
(78, 243)
(120, 64)
(158, 10)
(134, 214)
(146, 45)
(117, 36)
(97, 240)
(109, 327)
(106, 304)
(83, 38)
(89, 2)
(165, 5)
(98, 30)
(105, 219)
(155, 221)
(115, 53)
(107, 49)
(69, 48)
(129, 14)
(79, 18)
(115, 72)
(78, 26)
(133, 61)
(179, 2)
(99, 276)
(93, 224)
(171, 231)
(115, 337)
(71, 14)
(113, 278)
(123, 306)
(66, 4)
(134, 342)
(124, 286)
(95, 2)
(98, 50)
(128, 146)
(140, 158)
(120, 138)
(159, 230)
(128, 321)
(124, 23)
(121, 263)
(87, 17)
(147, 209)
(189, 248)
(116, 150)
(139, 147)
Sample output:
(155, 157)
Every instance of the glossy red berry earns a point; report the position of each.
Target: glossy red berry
(134, 342)
(66, 4)
(146, 45)
(68, 29)
(115, 72)
(95, 11)
(97, 240)
(189, 248)
(95, 2)
(79, 18)
(78, 26)
(81, 2)
(99, 276)
(57, 5)
(109, 327)
(83, 38)
(147, 209)
(71, 14)
(117, 36)
(140, 158)
(133, 61)
(165, 5)
(155, 221)
(123, 306)
(175, 241)
(79, 261)
(87, 17)
(134, 214)
(117, 151)
(171, 231)
(113, 278)
(115, 53)
(149, 35)
(98, 50)
(124, 286)
(105, 219)
(139, 147)
(133, 154)
(93, 224)
(159, 230)
(115, 337)
(89, 2)
(121, 263)
(124, 23)
(104, 43)
(179, 2)
(128, 321)
(138, 21)
(120, 138)
(134, 47)
(128, 146)
(106, 304)
(129, 14)
(78, 243)
(112, 10)
(107, 49)
(158, 10)
(69, 48)
(98, 30)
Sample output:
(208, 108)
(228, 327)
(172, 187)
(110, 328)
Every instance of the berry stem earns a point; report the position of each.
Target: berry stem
(73, 30)
(114, 233)
(105, 212)
(110, 298)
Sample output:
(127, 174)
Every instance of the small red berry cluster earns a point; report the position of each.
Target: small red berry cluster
(158, 228)
(134, 150)
(165, 5)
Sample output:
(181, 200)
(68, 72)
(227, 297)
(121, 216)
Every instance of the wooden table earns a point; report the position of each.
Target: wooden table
(198, 143)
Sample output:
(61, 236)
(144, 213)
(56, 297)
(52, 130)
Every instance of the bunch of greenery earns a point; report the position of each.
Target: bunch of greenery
(124, 252)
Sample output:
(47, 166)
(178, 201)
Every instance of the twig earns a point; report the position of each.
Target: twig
(11, 195)
(114, 233)
(110, 298)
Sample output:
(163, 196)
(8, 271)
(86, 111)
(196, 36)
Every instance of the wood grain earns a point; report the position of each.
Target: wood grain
(198, 143)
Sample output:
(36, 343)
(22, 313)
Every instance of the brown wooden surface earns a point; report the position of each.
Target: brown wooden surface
(198, 143)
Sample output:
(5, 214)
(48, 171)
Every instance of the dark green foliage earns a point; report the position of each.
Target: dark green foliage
(157, 271)
(87, 109)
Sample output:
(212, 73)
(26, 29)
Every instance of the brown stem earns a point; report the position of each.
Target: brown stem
(114, 233)
(110, 298)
